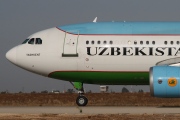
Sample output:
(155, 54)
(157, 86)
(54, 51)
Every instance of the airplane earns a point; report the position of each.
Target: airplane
(108, 53)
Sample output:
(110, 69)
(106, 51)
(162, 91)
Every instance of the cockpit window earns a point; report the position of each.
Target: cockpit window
(31, 41)
(25, 41)
(38, 41)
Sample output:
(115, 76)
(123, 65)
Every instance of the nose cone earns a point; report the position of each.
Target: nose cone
(11, 55)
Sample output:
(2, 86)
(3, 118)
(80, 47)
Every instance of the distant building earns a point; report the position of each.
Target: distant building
(45, 91)
(124, 90)
(55, 91)
(104, 89)
(70, 91)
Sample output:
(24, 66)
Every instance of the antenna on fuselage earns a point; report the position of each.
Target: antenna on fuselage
(95, 19)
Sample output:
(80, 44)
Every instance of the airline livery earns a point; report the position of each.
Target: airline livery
(108, 53)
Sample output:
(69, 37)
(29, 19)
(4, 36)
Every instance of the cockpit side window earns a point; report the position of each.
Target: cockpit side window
(31, 41)
(38, 41)
(25, 41)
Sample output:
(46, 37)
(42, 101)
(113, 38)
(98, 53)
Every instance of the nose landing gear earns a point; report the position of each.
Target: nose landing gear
(81, 100)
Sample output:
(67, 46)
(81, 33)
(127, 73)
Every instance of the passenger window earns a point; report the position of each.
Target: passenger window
(141, 42)
(165, 42)
(153, 42)
(87, 42)
(111, 42)
(147, 42)
(25, 41)
(31, 41)
(99, 42)
(171, 42)
(135, 42)
(38, 41)
(178, 42)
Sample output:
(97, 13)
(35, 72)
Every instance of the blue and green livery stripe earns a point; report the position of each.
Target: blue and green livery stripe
(101, 77)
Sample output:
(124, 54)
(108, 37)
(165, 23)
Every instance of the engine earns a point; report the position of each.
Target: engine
(164, 81)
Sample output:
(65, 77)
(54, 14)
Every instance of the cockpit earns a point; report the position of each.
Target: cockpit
(33, 41)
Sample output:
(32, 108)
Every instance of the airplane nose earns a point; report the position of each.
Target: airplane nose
(11, 55)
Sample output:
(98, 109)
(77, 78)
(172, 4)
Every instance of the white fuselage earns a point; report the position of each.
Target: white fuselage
(46, 58)
(64, 51)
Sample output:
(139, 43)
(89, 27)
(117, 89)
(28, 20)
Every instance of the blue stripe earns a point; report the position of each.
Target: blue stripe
(123, 28)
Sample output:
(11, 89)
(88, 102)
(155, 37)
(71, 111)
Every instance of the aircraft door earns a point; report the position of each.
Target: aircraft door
(70, 44)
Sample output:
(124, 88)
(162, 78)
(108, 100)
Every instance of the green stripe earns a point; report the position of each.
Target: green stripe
(109, 78)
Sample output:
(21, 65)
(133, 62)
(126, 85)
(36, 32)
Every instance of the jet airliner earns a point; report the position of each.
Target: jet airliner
(108, 53)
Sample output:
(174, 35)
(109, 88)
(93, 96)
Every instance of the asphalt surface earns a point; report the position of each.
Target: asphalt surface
(89, 110)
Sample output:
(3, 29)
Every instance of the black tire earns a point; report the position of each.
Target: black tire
(81, 101)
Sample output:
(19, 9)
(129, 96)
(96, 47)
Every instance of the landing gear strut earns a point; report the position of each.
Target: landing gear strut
(81, 100)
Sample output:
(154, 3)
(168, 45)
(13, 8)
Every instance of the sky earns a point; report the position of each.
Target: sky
(21, 18)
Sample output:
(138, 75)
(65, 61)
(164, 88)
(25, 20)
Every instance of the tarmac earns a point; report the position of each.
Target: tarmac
(90, 110)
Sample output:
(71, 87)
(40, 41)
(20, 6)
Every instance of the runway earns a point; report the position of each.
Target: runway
(89, 110)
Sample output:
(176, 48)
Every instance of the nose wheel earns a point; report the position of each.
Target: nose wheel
(81, 100)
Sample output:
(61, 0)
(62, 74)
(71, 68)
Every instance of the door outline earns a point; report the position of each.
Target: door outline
(70, 45)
